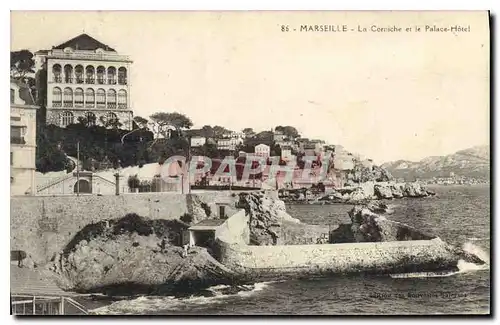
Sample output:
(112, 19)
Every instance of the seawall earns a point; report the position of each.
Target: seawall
(42, 226)
(376, 257)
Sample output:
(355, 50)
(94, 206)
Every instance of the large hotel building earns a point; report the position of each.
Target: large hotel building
(86, 78)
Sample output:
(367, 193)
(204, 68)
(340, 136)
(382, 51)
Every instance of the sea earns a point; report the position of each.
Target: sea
(460, 215)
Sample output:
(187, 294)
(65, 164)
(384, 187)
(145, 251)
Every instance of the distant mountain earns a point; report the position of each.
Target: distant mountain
(472, 162)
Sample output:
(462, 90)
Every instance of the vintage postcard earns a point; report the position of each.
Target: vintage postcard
(250, 163)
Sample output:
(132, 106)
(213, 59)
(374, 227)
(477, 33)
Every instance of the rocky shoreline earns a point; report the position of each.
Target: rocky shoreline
(360, 194)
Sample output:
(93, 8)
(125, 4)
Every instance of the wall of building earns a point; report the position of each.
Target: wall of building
(42, 226)
(23, 156)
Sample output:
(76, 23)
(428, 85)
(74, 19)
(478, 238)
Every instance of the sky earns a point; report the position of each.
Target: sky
(384, 95)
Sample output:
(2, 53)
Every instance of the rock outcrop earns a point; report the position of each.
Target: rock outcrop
(270, 224)
(135, 255)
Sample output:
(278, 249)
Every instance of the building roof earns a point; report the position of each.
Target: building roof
(42, 52)
(24, 91)
(84, 42)
(24, 281)
(208, 224)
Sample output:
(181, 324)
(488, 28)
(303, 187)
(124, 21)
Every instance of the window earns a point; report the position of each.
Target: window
(101, 98)
(56, 72)
(111, 117)
(56, 97)
(122, 99)
(68, 74)
(68, 97)
(11, 160)
(112, 98)
(89, 74)
(17, 134)
(79, 74)
(89, 97)
(111, 76)
(79, 97)
(12, 96)
(101, 71)
(91, 119)
(122, 76)
(66, 119)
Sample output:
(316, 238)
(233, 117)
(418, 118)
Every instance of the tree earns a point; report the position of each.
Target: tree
(219, 131)
(141, 122)
(176, 120)
(265, 135)
(21, 63)
(289, 131)
(249, 132)
(207, 131)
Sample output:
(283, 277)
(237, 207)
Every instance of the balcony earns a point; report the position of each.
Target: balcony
(79, 104)
(122, 105)
(111, 81)
(88, 55)
(112, 105)
(100, 81)
(68, 80)
(90, 81)
(101, 105)
(79, 80)
(90, 104)
(67, 104)
(122, 81)
(56, 104)
(57, 79)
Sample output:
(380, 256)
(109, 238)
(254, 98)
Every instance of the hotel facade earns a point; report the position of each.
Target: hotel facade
(86, 79)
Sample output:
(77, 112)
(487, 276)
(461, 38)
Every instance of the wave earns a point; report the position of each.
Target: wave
(478, 239)
(145, 304)
(462, 265)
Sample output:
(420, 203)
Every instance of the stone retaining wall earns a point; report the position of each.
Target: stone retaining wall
(42, 226)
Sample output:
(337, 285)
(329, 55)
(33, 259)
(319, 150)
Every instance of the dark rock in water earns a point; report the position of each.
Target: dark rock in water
(370, 227)
(343, 234)
(379, 207)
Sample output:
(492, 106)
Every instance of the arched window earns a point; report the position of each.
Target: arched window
(79, 74)
(66, 119)
(68, 97)
(122, 76)
(112, 98)
(90, 98)
(89, 75)
(101, 98)
(12, 96)
(111, 119)
(56, 73)
(122, 99)
(68, 74)
(79, 97)
(101, 71)
(111, 76)
(56, 97)
(91, 119)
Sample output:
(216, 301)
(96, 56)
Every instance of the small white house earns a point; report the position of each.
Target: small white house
(198, 141)
(262, 150)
